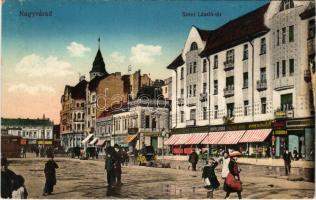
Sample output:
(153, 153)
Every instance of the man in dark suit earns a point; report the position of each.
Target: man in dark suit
(193, 159)
(287, 157)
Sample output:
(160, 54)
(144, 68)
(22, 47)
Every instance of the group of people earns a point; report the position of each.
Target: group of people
(12, 185)
(230, 175)
(114, 159)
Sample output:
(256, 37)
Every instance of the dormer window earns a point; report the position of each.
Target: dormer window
(286, 4)
(194, 46)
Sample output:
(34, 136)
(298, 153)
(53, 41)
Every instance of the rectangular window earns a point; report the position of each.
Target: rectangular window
(190, 68)
(182, 92)
(192, 114)
(311, 29)
(291, 33)
(182, 116)
(230, 81)
(230, 110)
(194, 90)
(263, 47)
(204, 65)
(278, 38)
(291, 67)
(88, 111)
(190, 91)
(263, 105)
(194, 67)
(215, 87)
(245, 52)
(277, 70)
(204, 88)
(215, 62)
(286, 102)
(215, 112)
(283, 68)
(283, 35)
(245, 80)
(204, 113)
(182, 73)
(263, 73)
(147, 120)
(230, 56)
(246, 104)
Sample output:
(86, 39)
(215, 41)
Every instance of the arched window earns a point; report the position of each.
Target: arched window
(194, 46)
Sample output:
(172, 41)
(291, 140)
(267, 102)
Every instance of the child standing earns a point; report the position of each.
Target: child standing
(19, 190)
(210, 179)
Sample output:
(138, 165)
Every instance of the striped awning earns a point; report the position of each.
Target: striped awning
(87, 138)
(183, 139)
(258, 135)
(213, 138)
(196, 138)
(231, 137)
(129, 138)
(171, 140)
(93, 141)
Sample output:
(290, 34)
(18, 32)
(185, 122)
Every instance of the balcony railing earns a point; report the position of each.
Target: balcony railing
(229, 91)
(307, 75)
(261, 84)
(190, 122)
(228, 65)
(203, 96)
(283, 114)
(180, 101)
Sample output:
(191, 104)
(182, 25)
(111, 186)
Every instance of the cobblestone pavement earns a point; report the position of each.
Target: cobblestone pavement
(86, 179)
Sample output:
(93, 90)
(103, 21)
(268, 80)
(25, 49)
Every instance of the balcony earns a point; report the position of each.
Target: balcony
(190, 122)
(132, 130)
(228, 65)
(229, 91)
(307, 75)
(203, 97)
(284, 114)
(180, 101)
(261, 84)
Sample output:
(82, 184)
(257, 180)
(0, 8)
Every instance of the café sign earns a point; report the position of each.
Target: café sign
(280, 132)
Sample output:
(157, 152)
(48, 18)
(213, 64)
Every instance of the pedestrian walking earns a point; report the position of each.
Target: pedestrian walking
(287, 157)
(7, 179)
(125, 157)
(50, 175)
(23, 151)
(19, 190)
(225, 162)
(210, 179)
(118, 164)
(109, 167)
(232, 182)
(193, 159)
(295, 154)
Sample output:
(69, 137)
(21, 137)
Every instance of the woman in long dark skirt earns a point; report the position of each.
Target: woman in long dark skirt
(233, 170)
(210, 178)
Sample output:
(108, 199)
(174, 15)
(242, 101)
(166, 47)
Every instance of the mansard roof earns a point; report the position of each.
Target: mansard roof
(79, 90)
(237, 31)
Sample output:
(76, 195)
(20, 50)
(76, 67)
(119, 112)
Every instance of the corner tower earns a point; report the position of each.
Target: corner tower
(98, 67)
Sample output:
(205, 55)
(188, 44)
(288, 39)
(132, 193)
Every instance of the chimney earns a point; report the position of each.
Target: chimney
(82, 78)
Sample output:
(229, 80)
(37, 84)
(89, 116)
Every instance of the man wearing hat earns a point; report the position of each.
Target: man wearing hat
(118, 164)
(193, 159)
(7, 178)
(50, 175)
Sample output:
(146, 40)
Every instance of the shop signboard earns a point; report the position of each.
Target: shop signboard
(278, 125)
(300, 123)
(23, 141)
(32, 141)
(49, 142)
(280, 132)
(155, 134)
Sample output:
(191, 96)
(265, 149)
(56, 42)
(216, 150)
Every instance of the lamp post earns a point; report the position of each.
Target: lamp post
(163, 134)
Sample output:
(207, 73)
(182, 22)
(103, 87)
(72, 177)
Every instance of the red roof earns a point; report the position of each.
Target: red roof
(237, 31)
